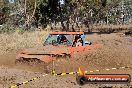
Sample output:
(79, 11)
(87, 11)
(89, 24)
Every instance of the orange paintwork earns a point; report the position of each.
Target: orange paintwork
(48, 53)
(82, 49)
(70, 51)
(44, 58)
(81, 72)
(67, 33)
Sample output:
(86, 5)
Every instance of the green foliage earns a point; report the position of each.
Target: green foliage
(6, 9)
(49, 11)
(6, 29)
(21, 30)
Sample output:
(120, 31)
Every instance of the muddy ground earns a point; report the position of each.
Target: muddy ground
(116, 51)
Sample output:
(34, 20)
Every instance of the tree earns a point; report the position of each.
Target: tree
(72, 14)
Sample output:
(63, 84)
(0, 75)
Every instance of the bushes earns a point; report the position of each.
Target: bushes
(129, 32)
(22, 30)
(6, 29)
(112, 28)
(106, 30)
(10, 29)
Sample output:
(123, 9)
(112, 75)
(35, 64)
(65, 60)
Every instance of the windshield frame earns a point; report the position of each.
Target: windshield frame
(69, 38)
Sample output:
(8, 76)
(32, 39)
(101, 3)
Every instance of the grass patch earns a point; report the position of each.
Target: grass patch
(16, 41)
(111, 28)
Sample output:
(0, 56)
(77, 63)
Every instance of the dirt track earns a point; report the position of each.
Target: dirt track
(116, 52)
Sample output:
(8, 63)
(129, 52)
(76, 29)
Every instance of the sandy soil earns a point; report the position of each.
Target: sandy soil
(116, 52)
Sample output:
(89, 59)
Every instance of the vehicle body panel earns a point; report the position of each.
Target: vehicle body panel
(50, 52)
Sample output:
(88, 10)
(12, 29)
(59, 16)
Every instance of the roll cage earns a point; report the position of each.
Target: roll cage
(64, 38)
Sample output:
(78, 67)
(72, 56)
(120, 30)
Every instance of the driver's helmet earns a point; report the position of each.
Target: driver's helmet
(61, 38)
(77, 37)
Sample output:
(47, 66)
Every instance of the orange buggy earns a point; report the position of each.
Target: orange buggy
(58, 44)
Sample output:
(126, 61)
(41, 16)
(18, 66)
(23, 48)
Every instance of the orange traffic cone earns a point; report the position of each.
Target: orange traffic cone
(81, 72)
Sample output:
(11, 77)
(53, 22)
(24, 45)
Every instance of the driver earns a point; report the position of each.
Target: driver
(77, 41)
(61, 39)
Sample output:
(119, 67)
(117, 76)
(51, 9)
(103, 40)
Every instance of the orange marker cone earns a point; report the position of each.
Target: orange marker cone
(81, 72)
